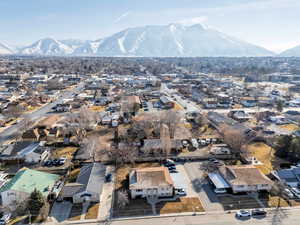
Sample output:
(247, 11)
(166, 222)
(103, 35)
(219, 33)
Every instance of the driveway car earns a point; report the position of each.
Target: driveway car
(258, 213)
(243, 213)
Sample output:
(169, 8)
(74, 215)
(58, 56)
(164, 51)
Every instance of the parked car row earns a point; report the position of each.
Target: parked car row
(196, 143)
(170, 164)
(55, 162)
(254, 213)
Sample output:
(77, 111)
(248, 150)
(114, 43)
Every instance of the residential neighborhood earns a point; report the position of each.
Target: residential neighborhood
(96, 147)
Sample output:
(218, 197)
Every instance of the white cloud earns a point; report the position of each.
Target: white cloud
(122, 17)
(194, 20)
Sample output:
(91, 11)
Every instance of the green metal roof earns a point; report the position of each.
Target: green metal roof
(27, 180)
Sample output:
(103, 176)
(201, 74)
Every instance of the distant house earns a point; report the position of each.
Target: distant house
(166, 102)
(88, 186)
(152, 181)
(20, 187)
(290, 177)
(244, 178)
(239, 115)
(25, 151)
(155, 145)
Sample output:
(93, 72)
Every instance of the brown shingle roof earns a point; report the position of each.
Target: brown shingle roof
(244, 175)
(150, 177)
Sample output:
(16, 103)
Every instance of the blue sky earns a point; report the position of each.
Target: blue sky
(273, 24)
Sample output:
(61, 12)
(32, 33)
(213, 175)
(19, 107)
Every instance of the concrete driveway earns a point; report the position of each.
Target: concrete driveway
(200, 185)
(61, 210)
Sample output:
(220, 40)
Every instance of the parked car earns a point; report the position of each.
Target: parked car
(172, 168)
(48, 163)
(5, 218)
(168, 162)
(243, 213)
(258, 212)
(62, 160)
(181, 192)
(296, 192)
(288, 193)
(108, 177)
(185, 143)
(220, 190)
(195, 143)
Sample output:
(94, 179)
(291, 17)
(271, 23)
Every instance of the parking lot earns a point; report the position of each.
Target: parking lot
(200, 185)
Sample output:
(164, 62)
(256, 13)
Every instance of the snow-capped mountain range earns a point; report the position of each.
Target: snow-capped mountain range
(291, 52)
(5, 50)
(173, 40)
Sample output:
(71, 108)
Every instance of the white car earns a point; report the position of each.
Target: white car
(288, 193)
(296, 192)
(220, 190)
(243, 213)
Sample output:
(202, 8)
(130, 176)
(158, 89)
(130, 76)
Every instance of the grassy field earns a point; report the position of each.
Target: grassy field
(177, 107)
(290, 127)
(180, 206)
(97, 108)
(67, 152)
(265, 154)
(92, 212)
(275, 201)
(73, 175)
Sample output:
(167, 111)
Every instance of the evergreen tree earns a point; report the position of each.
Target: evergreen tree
(36, 202)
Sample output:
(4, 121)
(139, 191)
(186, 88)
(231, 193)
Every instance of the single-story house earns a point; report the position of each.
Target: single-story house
(152, 181)
(290, 176)
(88, 185)
(243, 178)
(20, 187)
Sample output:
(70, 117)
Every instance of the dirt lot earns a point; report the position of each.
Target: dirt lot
(92, 212)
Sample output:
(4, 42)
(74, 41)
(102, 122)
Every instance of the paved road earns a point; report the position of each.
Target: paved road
(11, 131)
(291, 217)
(61, 210)
(191, 106)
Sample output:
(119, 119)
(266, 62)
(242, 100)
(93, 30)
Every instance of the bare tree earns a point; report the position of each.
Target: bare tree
(171, 118)
(236, 139)
(122, 199)
(91, 145)
(14, 111)
(165, 140)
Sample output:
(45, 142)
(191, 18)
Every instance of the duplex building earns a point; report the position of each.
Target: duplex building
(152, 181)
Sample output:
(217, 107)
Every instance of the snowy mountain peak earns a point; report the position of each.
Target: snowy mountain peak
(171, 40)
(5, 50)
(292, 52)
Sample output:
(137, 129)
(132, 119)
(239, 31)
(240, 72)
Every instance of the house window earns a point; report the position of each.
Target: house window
(240, 186)
(138, 190)
(264, 185)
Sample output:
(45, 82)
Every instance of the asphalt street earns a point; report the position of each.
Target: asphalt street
(11, 131)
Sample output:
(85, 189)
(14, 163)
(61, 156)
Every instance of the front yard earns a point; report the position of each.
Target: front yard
(140, 207)
(92, 212)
